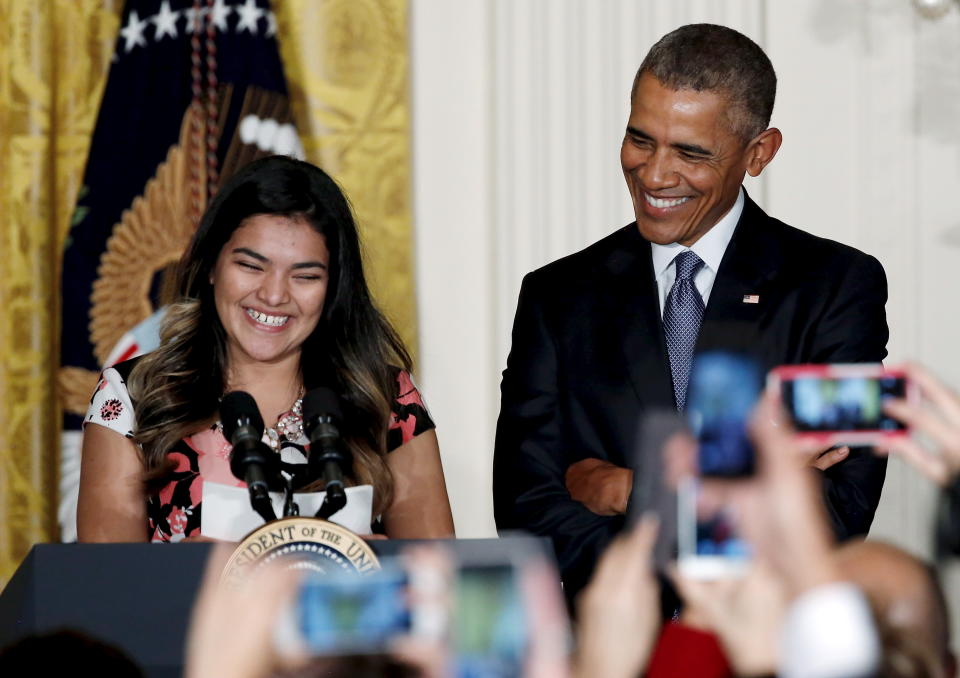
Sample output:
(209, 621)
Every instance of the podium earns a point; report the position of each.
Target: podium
(135, 597)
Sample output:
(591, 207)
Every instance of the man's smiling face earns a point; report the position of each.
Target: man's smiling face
(682, 161)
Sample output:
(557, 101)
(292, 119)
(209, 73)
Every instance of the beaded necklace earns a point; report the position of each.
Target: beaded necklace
(289, 427)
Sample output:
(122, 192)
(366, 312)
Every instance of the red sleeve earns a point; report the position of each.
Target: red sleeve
(684, 651)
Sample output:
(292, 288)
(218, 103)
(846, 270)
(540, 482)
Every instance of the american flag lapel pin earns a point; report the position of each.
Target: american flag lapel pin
(751, 298)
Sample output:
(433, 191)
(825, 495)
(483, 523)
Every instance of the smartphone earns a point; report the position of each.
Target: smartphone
(489, 620)
(467, 598)
(709, 542)
(337, 613)
(841, 403)
(503, 594)
(654, 482)
(724, 388)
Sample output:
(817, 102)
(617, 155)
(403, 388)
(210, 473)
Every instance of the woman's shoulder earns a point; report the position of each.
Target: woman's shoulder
(126, 367)
(409, 416)
(110, 404)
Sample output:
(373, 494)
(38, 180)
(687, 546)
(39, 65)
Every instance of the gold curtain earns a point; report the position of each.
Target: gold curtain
(346, 65)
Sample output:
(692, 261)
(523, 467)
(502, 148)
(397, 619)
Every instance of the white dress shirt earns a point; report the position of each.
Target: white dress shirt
(710, 248)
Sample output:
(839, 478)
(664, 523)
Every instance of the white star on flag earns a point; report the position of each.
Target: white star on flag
(194, 19)
(271, 24)
(220, 14)
(165, 22)
(249, 15)
(133, 32)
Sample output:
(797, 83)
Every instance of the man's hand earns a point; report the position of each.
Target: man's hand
(824, 459)
(600, 486)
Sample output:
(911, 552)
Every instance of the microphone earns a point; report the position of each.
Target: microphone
(329, 457)
(250, 458)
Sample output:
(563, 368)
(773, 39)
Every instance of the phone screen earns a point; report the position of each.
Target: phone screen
(471, 602)
(345, 613)
(842, 403)
(654, 481)
(709, 541)
(724, 388)
(489, 634)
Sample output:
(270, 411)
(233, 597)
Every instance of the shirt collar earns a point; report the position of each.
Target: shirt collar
(711, 245)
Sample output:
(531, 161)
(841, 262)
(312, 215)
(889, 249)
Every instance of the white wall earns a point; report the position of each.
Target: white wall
(519, 108)
(866, 95)
(452, 151)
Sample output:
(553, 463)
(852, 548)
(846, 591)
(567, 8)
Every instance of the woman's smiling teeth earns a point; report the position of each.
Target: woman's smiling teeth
(271, 320)
(661, 203)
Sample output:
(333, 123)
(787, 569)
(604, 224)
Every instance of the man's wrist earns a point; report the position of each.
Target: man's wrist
(624, 488)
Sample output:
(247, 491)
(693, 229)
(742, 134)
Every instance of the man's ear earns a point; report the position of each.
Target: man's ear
(761, 150)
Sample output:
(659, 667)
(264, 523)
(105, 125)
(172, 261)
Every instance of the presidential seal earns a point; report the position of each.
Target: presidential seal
(301, 543)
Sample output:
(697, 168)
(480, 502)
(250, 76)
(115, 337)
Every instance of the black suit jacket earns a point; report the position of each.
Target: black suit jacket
(588, 359)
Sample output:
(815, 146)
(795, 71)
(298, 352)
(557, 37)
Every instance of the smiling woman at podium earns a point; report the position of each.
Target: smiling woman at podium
(272, 301)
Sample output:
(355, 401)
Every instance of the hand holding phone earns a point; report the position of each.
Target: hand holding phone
(724, 389)
(461, 603)
(832, 404)
(934, 411)
(340, 613)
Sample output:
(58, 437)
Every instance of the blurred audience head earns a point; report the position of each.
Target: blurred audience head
(909, 607)
(61, 653)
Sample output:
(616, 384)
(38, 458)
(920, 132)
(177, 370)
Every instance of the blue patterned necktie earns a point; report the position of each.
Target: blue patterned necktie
(682, 314)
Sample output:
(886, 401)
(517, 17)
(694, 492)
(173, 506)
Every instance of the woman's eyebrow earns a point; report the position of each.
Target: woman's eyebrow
(259, 257)
(250, 253)
(310, 264)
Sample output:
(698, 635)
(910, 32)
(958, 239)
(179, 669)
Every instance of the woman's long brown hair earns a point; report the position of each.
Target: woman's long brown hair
(353, 349)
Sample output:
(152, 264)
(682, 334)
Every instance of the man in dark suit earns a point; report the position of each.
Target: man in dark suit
(608, 333)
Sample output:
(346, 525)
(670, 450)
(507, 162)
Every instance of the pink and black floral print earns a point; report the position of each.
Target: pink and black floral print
(174, 512)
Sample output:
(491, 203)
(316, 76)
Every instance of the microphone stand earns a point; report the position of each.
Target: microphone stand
(250, 458)
(334, 500)
(330, 459)
(257, 486)
(290, 507)
(328, 454)
(262, 505)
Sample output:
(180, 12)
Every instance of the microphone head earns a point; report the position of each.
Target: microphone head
(321, 402)
(238, 408)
